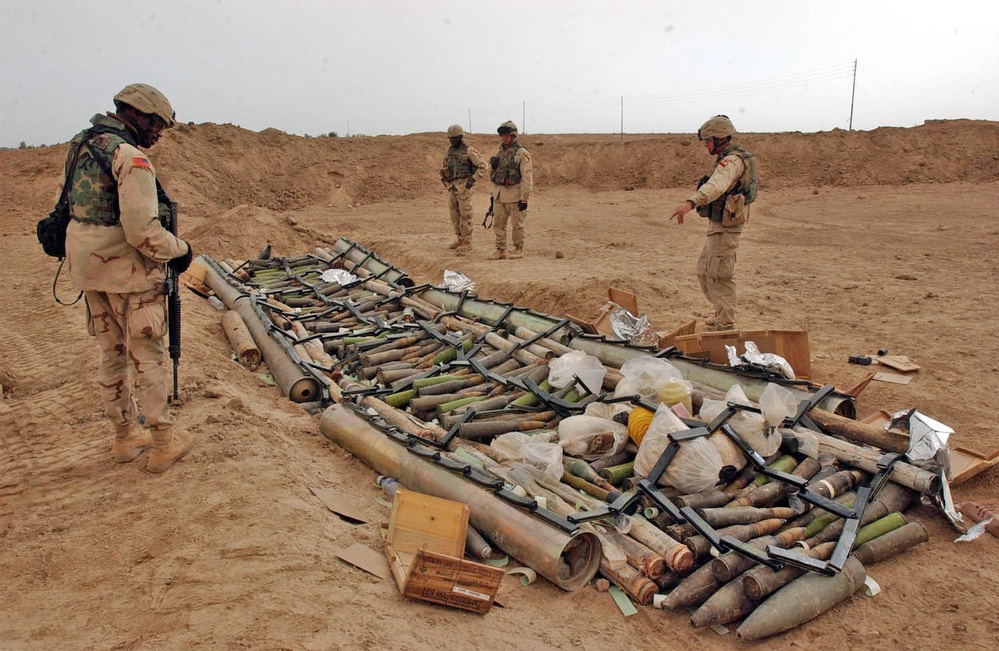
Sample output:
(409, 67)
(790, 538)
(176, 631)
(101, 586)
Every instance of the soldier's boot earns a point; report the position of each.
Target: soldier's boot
(710, 321)
(129, 443)
(454, 245)
(169, 447)
(463, 246)
(518, 253)
(498, 254)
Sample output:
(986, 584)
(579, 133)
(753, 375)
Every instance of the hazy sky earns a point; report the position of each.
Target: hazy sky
(404, 66)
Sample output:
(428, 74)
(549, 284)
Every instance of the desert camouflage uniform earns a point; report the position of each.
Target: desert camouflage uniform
(513, 181)
(716, 264)
(115, 251)
(460, 164)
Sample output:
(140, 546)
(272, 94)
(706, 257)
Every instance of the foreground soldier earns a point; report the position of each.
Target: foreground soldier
(513, 180)
(463, 166)
(724, 199)
(116, 248)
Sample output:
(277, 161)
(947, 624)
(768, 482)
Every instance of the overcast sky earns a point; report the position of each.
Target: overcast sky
(403, 66)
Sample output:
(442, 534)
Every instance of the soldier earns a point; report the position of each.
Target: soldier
(463, 166)
(117, 251)
(724, 199)
(513, 180)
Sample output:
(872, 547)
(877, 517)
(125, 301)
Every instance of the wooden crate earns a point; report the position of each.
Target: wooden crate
(792, 345)
(425, 545)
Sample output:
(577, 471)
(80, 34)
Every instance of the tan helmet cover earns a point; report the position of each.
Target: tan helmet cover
(454, 131)
(507, 127)
(717, 127)
(146, 99)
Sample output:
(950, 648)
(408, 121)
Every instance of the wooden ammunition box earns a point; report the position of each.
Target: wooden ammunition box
(425, 546)
(792, 345)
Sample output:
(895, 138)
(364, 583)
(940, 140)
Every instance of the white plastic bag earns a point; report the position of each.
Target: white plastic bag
(606, 410)
(539, 450)
(654, 379)
(562, 371)
(696, 465)
(777, 403)
(729, 452)
(751, 427)
(589, 437)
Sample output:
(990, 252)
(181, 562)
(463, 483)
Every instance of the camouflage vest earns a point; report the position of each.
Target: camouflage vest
(746, 185)
(93, 193)
(456, 163)
(507, 171)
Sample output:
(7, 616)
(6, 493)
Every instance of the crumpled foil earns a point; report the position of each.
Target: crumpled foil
(458, 282)
(631, 328)
(339, 276)
(754, 358)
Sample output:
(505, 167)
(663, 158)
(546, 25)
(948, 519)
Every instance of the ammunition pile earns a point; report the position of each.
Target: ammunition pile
(421, 379)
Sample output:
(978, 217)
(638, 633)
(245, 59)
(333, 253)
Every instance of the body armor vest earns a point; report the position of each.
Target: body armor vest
(746, 185)
(506, 172)
(457, 164)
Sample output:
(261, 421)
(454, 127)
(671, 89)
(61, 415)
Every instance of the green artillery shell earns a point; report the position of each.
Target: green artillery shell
(786, 463)
(760, 582)
(721, 517)
(617, 474)
(878, 528)
(802, 600)
(891, 543)
(773, 492)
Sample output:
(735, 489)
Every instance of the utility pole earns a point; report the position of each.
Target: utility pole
(348, 128)
(622, 118)
(523, 117)
(853, 94)
(470, 120)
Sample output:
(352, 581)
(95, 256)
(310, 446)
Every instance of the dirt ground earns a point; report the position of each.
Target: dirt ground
(880, 239)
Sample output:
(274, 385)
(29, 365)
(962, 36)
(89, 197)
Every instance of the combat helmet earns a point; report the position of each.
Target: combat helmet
(507, 127)
(454, 131)
(720, 126)
(146, 99)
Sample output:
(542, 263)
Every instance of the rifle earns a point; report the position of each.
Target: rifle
(172, 287)
(487, 221)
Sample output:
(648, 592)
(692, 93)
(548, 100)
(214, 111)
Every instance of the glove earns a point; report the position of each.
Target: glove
(522, 206)
(469, 183)
(182, 262)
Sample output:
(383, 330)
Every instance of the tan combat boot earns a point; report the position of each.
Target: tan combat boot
(454, 245)
(497, 255)
(464, 246)
(518, 253)
(169, 447)
(129, 443)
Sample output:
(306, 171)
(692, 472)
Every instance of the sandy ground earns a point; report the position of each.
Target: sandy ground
(882, 239)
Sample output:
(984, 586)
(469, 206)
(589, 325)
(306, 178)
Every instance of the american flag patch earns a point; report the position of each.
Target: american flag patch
(141, 161)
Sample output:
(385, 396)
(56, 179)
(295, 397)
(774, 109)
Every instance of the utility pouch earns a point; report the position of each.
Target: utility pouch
(736, 211)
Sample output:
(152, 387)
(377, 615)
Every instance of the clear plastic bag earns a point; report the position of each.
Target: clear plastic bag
(751, 427)
(654, 379)
(697, 464)
(539, 450)
(563, 370)
(590, 438)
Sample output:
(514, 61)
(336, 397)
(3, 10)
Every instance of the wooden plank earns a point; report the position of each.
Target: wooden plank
(624, 298)
(897, 362)
(792, 345)
(421, 521)
(453, 582)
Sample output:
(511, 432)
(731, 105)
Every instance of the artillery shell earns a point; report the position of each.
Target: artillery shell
(891, 543)
(726, 605)
(802, 600)
(722, 517)
(760, 582)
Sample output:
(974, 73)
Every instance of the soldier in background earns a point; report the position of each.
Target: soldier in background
(724, 199)
(117, 251)
(513, 180)
(463, 166)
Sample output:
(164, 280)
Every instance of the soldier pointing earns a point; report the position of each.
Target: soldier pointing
(723, 198)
